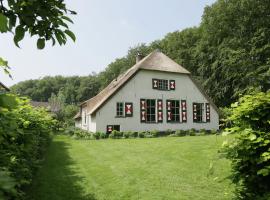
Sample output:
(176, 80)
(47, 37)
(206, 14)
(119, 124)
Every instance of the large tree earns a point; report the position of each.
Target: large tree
(47, 20)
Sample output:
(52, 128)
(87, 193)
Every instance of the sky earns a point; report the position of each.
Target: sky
(105, 30)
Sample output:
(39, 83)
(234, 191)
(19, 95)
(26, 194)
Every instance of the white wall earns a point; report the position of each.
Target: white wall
(84, 124)
(140, 86)
(92, 123)
(78, 123)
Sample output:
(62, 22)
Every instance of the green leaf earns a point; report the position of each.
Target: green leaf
(19, 34)
(41, 43)
(71, 35)
(67, 19)
(252, 136)
(59, 38)
(3, 62)
(263, 172)
(3, 23)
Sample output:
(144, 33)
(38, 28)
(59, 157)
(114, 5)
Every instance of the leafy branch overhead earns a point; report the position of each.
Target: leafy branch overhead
(47, 20)
(5, 67)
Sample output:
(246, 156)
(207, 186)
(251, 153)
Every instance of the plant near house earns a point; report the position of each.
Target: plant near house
(155, 133)
(141, 134)
(250, 150)
(192, 132)
(25, 133)
(116, 134)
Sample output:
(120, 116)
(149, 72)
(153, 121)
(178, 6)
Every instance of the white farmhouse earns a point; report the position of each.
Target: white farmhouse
(155, 94)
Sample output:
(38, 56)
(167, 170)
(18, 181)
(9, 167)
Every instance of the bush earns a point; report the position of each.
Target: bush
(154, 133)
(96, 135)
(133, 134)
(103, 135)
(25, 133)
(129, 134)
(192, 132)
(116, 134)
(141, 134)
(250, 150)
(169, 132)
(180, 133)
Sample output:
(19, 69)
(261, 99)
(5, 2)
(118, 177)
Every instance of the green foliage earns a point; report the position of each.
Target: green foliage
(75, 89)
(24, 135)
(250, 151)
(227, 57)
(192, 132)
(116, 134)
(64, 113)
(46, 20)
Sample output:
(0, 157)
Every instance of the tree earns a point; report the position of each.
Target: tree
(45, 19)
(250, 149)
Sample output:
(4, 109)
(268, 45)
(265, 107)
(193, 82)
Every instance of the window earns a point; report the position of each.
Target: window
(119, 109)
(163, 84)
(111, 128)
(85, 118)
(150, 110)
(175, 111)
(198, 112)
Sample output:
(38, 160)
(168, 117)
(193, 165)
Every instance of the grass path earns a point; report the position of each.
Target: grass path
(156, 168)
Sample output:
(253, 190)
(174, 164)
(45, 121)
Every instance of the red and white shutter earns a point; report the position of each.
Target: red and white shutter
(109, 128)
(195, 109)
(128, 109)
(172, 84)
(169, 110)
(184, 110)
(143, 110)
(154, 83)
(207, 112)
(160, 110)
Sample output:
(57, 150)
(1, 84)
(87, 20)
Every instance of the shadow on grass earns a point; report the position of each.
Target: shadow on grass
(57, 180)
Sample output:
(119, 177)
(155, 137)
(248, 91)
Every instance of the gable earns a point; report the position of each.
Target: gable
(154, 62)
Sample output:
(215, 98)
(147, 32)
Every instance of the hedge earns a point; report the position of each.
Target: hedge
(24, 134)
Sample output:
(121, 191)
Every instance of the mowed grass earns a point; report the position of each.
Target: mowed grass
(154, 168)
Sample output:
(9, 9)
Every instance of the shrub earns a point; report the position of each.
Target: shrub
(103, 135)
(116, 134)
(180, 133)
(250, 150)
(202, 132)
(132, 134)
(169, 132)
(192, 132)
(126, 134)
(25, 133)
(213, 132)
(141, 134)
(154, 133)
(96, 135)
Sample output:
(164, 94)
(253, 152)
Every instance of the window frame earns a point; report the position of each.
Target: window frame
(162, 84)
(200, 113)
(148, 118)
(118, 109)
(176, 109)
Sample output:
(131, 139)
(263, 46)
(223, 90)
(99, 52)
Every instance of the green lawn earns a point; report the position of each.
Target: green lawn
(155, 168)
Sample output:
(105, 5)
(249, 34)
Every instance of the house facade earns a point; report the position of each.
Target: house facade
(155, 94)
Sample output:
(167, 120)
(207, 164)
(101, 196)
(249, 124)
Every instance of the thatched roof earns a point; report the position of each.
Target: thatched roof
(3, 86)
(155, 61)
(77, 116)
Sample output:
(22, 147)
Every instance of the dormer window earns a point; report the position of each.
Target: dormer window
(163, 84)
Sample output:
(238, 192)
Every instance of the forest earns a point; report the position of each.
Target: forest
(228, 53)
